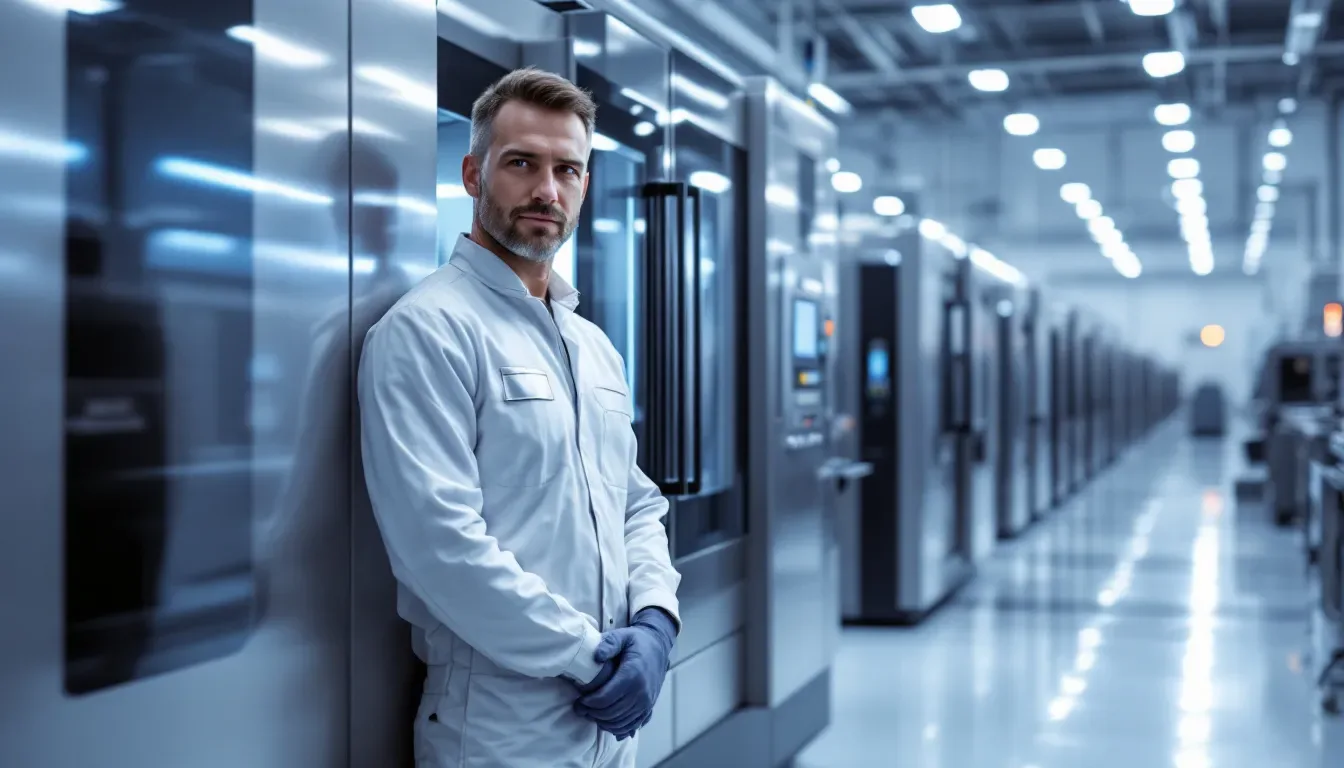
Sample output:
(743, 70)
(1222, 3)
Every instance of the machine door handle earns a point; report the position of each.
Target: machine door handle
(837, 468)
(856, 470)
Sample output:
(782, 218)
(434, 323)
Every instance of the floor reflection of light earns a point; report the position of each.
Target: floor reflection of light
(1194, 729)
(1116, 587)
(1073, 685)
(1196, 664)
(931, 732)
(1193, 757)
(1090, 637)
(1086, 661)
(1061, 707)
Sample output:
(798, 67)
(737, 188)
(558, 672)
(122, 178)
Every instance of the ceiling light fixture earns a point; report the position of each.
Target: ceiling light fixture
(1088, 209)
(1021, 124)
(937, 19)
(988, 80)
(1049, 159)
(1280, 136)
(888, 205)
(1074, 192)
(1183, 188)
(1178, 141)
(1152, 7)
(846, 182)
(1172, 114)
(1183, 168)
(1164, 63)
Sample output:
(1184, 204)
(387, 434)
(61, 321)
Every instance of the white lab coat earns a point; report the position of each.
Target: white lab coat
(518, 525)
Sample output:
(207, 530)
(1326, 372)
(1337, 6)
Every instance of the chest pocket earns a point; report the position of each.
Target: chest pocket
(618, 439)
(522, 440)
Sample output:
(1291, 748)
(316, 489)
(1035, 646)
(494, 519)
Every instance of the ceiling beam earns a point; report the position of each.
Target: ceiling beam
(1064, 64)
(1095, 29)
(873, 50)
(882, 13)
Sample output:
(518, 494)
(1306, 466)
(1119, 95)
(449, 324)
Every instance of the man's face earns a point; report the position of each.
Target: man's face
(530, 184)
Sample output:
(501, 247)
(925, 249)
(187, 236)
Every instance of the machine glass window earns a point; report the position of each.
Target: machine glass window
(159, 471)
(717, 169)
(807, 197)
(610, 242)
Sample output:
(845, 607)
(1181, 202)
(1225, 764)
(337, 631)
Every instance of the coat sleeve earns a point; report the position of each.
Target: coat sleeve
(653, 579)
(418, 422)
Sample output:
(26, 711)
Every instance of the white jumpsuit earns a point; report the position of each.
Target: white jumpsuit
(500, 460)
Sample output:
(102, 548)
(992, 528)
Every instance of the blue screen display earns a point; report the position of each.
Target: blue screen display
(878, 361)
(805, 329)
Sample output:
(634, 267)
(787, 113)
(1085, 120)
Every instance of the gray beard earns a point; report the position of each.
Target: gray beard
(496, 223)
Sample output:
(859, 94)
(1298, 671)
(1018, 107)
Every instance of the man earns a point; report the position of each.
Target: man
(529, 547)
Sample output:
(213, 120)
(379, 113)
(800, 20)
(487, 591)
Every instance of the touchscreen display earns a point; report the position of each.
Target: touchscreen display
(805, 329)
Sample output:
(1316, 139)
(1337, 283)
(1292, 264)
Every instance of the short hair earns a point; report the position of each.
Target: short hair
(530, 86)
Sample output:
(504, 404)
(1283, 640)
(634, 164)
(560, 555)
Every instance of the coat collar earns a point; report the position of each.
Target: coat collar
(492, 271)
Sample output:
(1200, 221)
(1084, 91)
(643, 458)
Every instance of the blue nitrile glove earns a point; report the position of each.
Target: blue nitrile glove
(641, 651)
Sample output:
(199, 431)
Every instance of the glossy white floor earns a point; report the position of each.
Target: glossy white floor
(1147, 623)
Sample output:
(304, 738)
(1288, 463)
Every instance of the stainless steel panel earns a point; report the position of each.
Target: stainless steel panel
(654, 29)
(499, 29)
(394, 66)
(712, 596)
(846, 349)
(704, 99)
(1018, 404)
(1040, 403)
(637, 65)
(228, 191)
(708, 689)
(791, 253)
(934, 522)
(985, 425)
(32, 211)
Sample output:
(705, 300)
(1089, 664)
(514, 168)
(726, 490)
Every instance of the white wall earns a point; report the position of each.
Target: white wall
(1164, 316)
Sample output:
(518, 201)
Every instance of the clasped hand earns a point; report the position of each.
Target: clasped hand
(635, 661)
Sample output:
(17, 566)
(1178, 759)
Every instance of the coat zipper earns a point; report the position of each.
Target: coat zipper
(592, 512)
(578, 440)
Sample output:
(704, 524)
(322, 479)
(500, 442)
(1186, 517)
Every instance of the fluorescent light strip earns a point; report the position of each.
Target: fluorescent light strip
(1268, 193)
(931, 229)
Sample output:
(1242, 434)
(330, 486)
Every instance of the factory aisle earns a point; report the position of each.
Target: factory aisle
(1146, 623)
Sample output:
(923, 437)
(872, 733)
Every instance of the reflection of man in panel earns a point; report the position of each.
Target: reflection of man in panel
(500, 457)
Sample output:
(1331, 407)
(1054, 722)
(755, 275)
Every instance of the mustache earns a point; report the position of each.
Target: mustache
(538, 209)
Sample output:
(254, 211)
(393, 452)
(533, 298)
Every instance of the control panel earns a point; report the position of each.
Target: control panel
(810, 331)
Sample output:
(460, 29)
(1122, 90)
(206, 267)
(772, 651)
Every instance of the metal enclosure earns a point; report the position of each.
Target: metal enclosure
(181, 511)
(1061, 404)
(791, 288)
(999, 429)
(1076, 393)
(911, 545)
(1037, 329)
(1096, 398)
(1012, 359)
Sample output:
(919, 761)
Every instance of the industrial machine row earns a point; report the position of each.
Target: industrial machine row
(981, 406)
(208, 204)
(1296, 470)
